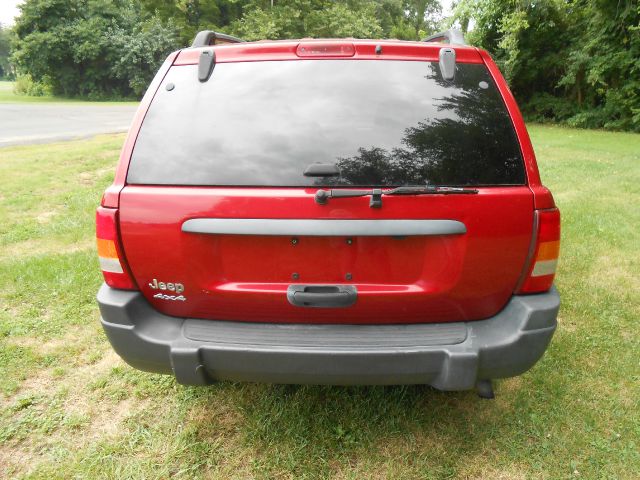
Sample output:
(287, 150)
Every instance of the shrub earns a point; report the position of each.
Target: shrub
(97, 49)
(25, 85)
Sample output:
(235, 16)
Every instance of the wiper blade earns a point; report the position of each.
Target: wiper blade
(430, 189)
(323, 196)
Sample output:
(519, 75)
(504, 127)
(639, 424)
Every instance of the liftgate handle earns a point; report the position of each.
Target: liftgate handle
(322, 296)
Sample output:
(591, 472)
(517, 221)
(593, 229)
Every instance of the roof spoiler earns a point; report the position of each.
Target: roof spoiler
(452, 36)
(206, 38)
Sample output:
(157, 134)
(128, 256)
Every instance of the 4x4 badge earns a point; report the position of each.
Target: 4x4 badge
(162, 296)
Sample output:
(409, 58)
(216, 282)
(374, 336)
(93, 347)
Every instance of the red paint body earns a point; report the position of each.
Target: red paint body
(410, 280)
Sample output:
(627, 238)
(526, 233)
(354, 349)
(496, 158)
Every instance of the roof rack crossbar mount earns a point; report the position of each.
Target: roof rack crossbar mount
(206, 38)
(447, 63)
(452, 36)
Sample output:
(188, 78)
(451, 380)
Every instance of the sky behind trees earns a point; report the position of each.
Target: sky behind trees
(8, 10)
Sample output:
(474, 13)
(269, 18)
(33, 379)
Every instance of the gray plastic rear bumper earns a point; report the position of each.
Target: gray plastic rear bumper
(448, 356)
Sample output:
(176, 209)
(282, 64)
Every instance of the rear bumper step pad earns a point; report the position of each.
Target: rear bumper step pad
(448, 356)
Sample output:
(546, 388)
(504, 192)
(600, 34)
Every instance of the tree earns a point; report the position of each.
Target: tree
(422, 15)
(93, 48)
(138, 49)
(5, 67)
(572, 61)
(308, 18)
(602, 74)
(103, 48)
(403, 19)
(191, 16)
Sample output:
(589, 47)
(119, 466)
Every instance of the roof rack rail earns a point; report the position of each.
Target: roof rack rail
(452, 36)
(206, 38)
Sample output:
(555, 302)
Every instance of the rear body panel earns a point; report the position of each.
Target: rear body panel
(413, 279)
(217, 266)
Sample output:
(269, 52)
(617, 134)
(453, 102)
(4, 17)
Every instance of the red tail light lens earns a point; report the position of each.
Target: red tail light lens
(542, 268)
(322, 49)
(114, 268)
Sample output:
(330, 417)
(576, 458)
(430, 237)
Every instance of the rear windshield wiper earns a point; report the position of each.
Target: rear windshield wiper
(323, 196)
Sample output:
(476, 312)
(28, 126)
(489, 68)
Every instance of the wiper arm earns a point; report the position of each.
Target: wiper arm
(323, 196)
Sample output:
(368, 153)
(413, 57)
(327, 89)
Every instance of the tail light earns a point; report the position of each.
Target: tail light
(542, 266)
(112, 263)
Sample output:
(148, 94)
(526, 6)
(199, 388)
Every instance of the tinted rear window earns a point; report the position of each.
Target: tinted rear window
(383, 123)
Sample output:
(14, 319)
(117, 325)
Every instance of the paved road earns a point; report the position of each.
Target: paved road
(25, 123)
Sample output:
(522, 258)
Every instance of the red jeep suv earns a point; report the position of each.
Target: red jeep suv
(329, 212)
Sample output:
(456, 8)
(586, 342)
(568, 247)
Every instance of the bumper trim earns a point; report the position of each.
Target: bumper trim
(448, 356)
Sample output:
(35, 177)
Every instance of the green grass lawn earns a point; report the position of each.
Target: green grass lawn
(7, 95)
(70, 408)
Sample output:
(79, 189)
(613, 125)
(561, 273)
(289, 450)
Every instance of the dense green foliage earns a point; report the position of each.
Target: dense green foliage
(264, 19)
(93, 48)
(326, 18)
(106, 49)
(572, 61)
(5, 68)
